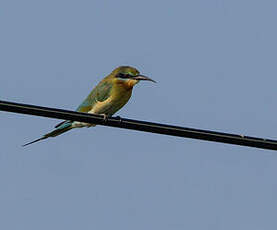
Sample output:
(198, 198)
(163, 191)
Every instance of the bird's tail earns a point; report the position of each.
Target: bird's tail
(61, 128)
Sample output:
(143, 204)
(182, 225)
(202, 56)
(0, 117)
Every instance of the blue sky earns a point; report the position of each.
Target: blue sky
(215, 64)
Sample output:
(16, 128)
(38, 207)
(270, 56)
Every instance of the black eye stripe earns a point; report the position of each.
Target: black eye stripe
(121, 75)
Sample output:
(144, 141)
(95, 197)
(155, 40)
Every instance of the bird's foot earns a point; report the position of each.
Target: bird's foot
(119, 119)
(105, 118)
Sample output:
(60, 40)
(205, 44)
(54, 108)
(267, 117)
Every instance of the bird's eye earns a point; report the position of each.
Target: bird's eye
(121, 75)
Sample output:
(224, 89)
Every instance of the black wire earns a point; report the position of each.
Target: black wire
(139, 125)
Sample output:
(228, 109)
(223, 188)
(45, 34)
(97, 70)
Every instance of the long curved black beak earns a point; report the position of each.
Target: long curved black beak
(143, 78)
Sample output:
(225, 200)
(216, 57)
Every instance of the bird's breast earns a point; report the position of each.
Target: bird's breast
(120, 94)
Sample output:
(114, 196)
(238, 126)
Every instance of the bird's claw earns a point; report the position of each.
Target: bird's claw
(119, 119)
(105, 118)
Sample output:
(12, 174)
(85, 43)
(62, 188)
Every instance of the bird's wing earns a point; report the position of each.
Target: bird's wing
(99, 94)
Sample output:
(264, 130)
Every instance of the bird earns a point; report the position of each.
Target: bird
(107, 97)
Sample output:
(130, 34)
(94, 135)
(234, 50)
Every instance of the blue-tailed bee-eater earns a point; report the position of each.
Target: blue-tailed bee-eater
(110, 95)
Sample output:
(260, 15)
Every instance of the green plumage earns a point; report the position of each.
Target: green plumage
(100, 93)
(106, 98)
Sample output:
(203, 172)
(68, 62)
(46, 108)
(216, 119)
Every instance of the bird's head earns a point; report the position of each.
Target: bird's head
(128, 76)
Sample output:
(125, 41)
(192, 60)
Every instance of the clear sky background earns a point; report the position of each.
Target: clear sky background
(215, 64)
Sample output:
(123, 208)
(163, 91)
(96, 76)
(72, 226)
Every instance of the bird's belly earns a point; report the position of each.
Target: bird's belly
(78, 124)
(111, 105)
(107, 107)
